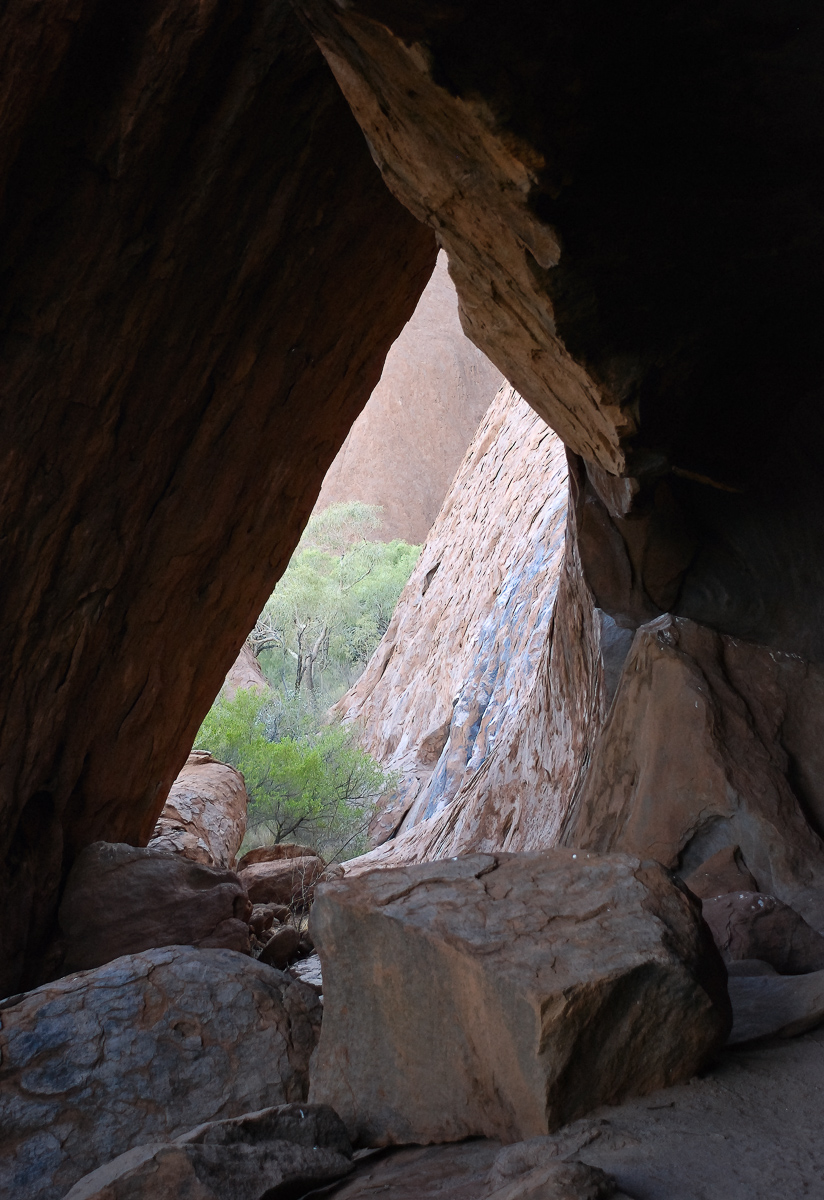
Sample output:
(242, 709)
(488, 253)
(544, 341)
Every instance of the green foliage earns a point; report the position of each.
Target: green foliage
(306, 781)
(333, 603)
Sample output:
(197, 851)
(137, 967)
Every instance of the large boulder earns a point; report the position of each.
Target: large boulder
(289, 1149)
(205, 816)
(121, 900)
(142, 1050)
(283, 881)
(275, 853)
(503, 995)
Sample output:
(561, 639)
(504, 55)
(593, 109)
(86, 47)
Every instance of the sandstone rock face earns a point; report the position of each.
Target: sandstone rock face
(202, 272)
(467, 696)
(121, 900)
(143, 1049)
(503, 995)
(275, 854)
(204, 818)
(283, 881)
(407, 444)
(748, 925)
(696, 757)
(244, 673)
(245, 1158)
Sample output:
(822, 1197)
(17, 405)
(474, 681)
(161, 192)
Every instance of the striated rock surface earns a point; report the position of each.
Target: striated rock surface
(504, 995)
(121, 900)
(407, 444)
(204, 818)
(455, 696)
(142, 1049)
(775, 1005)
(276, 853)
(202, 272)
(292, 1148)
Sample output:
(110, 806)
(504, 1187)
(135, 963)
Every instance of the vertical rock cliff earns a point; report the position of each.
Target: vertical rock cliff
(487, 683)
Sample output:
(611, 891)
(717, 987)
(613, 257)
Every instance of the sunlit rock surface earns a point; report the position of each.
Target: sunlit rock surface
(407, 444)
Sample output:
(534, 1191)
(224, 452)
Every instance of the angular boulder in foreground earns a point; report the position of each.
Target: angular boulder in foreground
(290, 1148)
(504, 995)
(143, 1049)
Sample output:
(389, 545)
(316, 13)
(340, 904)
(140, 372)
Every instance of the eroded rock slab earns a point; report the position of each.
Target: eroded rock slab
(283, 881)
(205, 816)
(143, 1049)
(292, 1148)
(501, 995)
(122, 899)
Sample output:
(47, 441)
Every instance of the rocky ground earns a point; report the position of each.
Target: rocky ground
(748, 1129)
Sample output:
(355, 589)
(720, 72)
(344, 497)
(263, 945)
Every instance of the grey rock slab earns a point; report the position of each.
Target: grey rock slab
(143, 1049)
(245, 1158)
(775, 1005)
(502, 995)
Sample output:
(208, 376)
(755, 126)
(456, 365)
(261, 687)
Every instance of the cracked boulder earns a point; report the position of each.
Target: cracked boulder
(285, 1150)
(503, 995)
(142, 1050)
(122, 899)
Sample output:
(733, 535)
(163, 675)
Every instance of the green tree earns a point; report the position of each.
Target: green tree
(306, 781)
(334, 602)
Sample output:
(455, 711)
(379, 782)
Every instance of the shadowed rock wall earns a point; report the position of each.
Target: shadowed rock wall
(630, 196)
(201, 274)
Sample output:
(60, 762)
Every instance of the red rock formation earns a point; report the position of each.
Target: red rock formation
(202, 272)
(455, 697)
(405, 447)
(204, 818)
(244, 673)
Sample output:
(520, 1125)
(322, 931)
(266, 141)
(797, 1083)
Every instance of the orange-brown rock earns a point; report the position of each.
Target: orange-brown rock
(502, 995)
(244, 673)
(204, 817)
(122, 900)
(202, 272)
(288, 881)
(275, 854)
(711, 742)
(455, 697)
(408, 442)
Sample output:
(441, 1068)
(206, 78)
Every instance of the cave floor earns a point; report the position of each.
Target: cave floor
(749, 1129)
